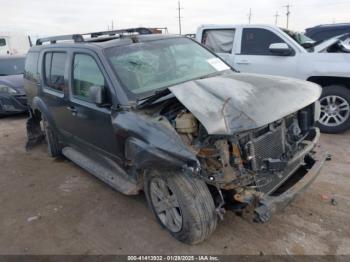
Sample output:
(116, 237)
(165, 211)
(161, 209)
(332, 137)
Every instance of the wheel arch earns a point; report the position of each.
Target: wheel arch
(330, 80)
(40, 109)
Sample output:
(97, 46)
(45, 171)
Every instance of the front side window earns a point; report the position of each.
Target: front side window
(11, 66)
(54, 66)
(2, 41)
(256, 41)
(86, 74)
(219, 40)
(149, 66)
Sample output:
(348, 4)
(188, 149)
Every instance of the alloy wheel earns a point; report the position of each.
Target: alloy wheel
(335, 110)
(165, 204)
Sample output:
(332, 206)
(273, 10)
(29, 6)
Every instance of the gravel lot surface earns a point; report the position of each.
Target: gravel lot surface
(51, 206)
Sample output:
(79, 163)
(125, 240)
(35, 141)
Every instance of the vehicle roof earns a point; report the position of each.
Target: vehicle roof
(123, 41)
(342, 25)
(235, 25)
(9, 57)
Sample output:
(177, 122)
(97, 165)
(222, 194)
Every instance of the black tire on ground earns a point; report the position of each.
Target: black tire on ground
(53, 145)
(195, 206)
(342, 93)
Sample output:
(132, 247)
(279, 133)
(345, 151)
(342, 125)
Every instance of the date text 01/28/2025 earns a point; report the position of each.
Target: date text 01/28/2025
(173, 258)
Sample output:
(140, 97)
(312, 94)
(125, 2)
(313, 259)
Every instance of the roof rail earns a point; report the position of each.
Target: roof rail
(54, 39)
(80, 37)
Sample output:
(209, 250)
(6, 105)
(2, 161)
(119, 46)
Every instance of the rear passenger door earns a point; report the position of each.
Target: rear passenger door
(91, 125)
(221, 42)
(54, 71)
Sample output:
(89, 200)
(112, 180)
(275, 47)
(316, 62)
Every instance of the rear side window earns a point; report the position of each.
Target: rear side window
(219, 40)
(54, 67)
(86, 74)
(2, 41)
(31, 66)
(256, 41)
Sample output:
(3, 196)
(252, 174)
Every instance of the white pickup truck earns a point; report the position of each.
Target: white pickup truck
(266, 49)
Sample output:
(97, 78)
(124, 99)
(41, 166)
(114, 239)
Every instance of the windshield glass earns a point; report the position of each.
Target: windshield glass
(302, 39)
(299, 37)
(11, 66)
(149, 66)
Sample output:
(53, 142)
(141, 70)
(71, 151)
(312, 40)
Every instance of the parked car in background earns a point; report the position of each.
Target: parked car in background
(336, 44)
(164, 115)
(14, 43)
(12, 96)
(321, 33)
(267, 49)
(301, 39)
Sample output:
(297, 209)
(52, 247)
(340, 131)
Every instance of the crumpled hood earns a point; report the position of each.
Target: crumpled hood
(236, 102)
(323, 46)
(15, 81)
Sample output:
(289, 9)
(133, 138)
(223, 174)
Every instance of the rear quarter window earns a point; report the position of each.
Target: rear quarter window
(219, 40)
(2, 41)
(31, 66)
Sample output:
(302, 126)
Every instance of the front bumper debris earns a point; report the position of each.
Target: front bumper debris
(271, 204)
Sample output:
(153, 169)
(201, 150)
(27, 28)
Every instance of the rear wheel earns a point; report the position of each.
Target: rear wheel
(183, 205)
(335, 109)
(53, 145)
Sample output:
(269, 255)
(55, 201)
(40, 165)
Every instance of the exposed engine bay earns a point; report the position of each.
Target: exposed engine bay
(251, 163)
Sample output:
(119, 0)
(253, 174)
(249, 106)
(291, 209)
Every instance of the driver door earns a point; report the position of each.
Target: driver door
(255, 56)
(91, 125)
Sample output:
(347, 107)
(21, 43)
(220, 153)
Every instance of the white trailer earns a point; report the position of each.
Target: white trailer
(14, 43)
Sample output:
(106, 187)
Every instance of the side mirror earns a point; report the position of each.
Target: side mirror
(97, 95)
(308, 45)
(281, 49)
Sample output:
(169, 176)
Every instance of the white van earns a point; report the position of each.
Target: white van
(14, 43)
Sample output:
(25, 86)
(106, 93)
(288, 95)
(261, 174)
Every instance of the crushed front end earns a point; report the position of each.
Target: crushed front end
(261, 169)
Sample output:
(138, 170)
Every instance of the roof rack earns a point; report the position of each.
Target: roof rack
(108, 34)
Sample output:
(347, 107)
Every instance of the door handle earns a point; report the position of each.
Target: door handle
(72, 109)
(243, 62)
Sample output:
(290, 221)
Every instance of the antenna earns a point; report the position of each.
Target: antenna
(250, 15)
(288, 13)
(276, 17)
(179, 8)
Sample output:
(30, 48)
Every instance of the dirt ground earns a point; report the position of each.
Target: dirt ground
(51, 206)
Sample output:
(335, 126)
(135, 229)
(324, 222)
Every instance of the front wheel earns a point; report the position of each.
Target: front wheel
(183, 205)
(335, 109)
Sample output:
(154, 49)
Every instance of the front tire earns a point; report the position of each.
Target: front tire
(335, 109)
(183, 205)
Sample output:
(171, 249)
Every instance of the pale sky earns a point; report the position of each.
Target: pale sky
(52, 17)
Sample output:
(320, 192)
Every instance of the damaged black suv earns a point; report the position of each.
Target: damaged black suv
(164, 115)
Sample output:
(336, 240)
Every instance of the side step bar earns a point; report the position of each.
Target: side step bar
(114, 178)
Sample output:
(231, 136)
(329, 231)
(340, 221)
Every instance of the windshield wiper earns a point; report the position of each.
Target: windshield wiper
(3, 74)
(213, 74)
(154, 97)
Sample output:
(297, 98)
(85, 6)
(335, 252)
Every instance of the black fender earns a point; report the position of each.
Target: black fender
(151, 142)
(37, 110)
(40, 105)
(144, 155)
